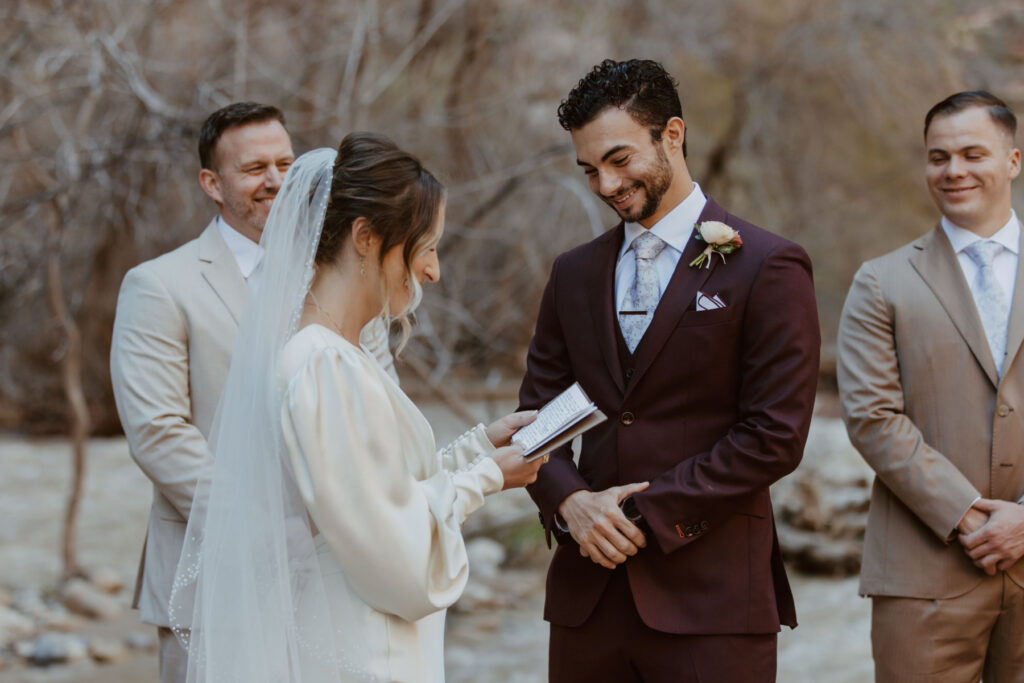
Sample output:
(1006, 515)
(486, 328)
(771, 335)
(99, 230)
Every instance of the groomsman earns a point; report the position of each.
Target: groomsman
(932, 392)
(667, 566)
(177, 318)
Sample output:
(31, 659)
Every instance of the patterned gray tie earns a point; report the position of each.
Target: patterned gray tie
(645, 292)
(993, 305)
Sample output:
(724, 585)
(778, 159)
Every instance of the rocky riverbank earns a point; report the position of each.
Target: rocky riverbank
(85, 631)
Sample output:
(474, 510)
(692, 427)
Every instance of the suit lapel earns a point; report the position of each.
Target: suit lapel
(602, 304)
(681, 290)
(936, 263)
(220, 270)
(1015, 330)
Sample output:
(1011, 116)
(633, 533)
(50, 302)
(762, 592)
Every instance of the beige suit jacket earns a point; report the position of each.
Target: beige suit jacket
(174, 331)
(924, 405)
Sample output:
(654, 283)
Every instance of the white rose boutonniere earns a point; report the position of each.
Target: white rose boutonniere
(721, 240)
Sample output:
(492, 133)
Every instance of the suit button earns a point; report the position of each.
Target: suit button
(629, 373)
(1004, 410)
(704, 525)
(627, 418)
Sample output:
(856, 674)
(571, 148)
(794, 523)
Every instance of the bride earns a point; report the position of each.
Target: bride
(325, 540)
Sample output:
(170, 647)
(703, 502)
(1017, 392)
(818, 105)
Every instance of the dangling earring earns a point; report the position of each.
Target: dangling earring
(362, 267)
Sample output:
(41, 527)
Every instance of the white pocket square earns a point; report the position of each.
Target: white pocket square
(709, 303)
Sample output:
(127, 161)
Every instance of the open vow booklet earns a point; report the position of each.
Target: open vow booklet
(563, 419)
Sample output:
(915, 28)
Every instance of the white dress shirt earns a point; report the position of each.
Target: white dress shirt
(675, 228)
(246, 252)
(1004, 263)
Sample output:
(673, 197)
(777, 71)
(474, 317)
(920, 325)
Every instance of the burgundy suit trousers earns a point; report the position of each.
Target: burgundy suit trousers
(615, 645)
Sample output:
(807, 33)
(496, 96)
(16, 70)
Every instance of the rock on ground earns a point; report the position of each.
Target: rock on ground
(84, 598)
(54, 648)
(821, 508)
(106, 650)
(14, 627)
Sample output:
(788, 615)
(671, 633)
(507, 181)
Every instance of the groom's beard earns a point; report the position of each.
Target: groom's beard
(654, 185)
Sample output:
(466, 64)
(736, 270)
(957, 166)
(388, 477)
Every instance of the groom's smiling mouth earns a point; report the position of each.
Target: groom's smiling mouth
(619, 201)
(622, 199)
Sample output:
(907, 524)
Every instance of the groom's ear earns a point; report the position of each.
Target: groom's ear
(674, 134)
(210, 182)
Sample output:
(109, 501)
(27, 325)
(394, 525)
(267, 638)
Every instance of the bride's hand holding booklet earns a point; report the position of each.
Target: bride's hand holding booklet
(561, 420)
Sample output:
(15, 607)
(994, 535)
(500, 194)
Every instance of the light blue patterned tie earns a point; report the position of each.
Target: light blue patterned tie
(645, 292)
(993, 306)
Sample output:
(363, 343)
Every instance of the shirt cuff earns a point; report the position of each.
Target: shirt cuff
(491, 476)
(478, 439)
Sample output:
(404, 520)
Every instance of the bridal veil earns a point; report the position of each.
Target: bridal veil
(248, 598)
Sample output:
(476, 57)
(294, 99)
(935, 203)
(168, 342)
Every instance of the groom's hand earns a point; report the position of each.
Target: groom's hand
(596, 522)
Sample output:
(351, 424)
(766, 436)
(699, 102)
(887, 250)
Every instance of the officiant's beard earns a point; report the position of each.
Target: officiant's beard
(654, 183)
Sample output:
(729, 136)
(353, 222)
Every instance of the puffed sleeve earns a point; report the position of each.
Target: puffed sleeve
(397, 539)
(466, 451)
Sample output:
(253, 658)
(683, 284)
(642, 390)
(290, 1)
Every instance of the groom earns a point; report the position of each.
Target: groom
(667, 566)
(177, 318)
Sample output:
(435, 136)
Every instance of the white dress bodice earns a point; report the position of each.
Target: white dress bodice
(387, 504)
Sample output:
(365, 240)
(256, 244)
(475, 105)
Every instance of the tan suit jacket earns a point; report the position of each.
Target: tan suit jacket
(174, 331)
(924, 405)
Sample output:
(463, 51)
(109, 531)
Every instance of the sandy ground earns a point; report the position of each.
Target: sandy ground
(504, 646)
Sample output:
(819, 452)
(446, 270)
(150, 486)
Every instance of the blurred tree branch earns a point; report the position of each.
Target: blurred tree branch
(802, 115)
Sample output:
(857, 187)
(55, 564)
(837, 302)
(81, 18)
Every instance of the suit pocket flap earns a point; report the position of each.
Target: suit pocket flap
(694, 318)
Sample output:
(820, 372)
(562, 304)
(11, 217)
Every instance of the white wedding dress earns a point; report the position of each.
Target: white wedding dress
(388, 507)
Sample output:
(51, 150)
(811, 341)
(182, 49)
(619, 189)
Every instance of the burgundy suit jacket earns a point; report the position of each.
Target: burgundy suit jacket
(716, 407)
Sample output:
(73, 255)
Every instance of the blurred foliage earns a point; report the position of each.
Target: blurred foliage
(804, 116)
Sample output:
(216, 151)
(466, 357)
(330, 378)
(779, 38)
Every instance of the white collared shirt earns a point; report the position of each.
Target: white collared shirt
(675, 228)
(246, 252)
(1004, 263)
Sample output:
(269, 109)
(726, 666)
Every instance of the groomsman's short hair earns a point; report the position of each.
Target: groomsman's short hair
(231, 116)
(641, 87)
(1000, 112)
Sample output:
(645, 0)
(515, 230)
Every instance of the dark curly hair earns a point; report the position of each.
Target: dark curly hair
(231, 116)
(1000, 112)
(641, 87)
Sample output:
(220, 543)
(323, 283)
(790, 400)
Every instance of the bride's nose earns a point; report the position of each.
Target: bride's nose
(432, 270)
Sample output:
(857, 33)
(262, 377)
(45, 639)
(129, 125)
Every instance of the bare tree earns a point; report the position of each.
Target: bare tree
(802, 115)
(71, 374)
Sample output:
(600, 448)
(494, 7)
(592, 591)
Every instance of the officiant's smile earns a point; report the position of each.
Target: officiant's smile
(248, 166)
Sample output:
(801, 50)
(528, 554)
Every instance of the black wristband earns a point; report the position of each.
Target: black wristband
(630, 510)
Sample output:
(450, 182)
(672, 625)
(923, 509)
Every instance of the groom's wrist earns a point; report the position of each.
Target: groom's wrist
(631, 512)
